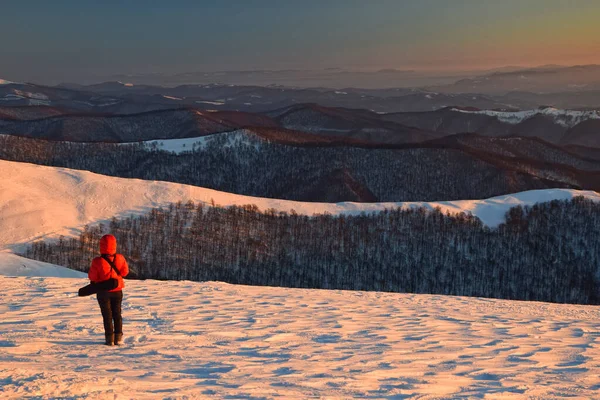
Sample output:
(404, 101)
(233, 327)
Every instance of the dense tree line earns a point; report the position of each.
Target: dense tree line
(547, 252)
(246, 164)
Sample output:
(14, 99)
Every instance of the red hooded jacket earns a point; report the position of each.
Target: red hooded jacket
(101, 269)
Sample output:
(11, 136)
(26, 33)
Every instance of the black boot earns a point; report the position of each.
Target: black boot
(109, 340)
(118, 339)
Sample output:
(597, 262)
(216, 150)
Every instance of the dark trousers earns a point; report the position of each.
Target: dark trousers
(110, 305)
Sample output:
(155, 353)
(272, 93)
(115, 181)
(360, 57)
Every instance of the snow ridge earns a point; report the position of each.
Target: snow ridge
(565, 118)
(41, 201)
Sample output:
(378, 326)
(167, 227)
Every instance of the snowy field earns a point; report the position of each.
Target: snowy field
(213, 340)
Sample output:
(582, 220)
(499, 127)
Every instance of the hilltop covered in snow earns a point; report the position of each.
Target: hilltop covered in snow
(43, 201)
(565, 118)
(178, 146)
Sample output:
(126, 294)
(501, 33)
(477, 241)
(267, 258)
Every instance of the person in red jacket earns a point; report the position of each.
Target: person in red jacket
(110, 301)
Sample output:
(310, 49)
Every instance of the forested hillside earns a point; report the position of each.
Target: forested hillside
(263, 164)
(547, 123)
(548, 252)
(527, 148)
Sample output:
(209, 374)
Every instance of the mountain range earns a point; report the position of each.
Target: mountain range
(125, 98)
(564, 127)
(162, 124)
(552, 78)
(303, 151)
(550, 124)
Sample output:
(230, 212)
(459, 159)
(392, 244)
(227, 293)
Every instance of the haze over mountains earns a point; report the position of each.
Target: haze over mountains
(117, 97)
(545, 78)
(562, 87)
(551, 78)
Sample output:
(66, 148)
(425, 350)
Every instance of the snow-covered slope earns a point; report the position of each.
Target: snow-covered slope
(565, 118)
(213, 340)
(228, 139)
(40, 201)
(13, 265)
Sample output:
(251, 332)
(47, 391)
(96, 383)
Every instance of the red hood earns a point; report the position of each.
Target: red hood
(108, 245)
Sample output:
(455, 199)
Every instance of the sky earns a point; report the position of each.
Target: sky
(75, 39)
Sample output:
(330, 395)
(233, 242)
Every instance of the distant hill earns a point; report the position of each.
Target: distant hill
(356, 124)
(51, 123)
(261, 98)
(561, 126)
(526, 148)
(550, 124)
(284, 164)
(537, 80)
(125, 98)
(116, 111)
(163, 124)
(76, 98)
(23, 187)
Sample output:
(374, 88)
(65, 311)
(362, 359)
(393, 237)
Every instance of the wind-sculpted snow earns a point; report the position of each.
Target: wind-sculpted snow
(213, 340)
